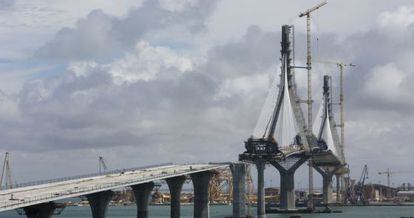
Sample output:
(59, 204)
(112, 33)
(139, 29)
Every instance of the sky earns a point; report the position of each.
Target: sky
(155, 81)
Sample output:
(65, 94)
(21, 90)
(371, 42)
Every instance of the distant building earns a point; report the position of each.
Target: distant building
(406, 195)
(271, 191)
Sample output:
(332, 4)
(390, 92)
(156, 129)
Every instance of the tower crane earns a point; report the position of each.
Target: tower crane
(102, 164)
(307, 13)
(389, 173)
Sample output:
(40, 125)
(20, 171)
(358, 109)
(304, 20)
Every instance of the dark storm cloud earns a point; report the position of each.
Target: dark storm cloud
(100, 35)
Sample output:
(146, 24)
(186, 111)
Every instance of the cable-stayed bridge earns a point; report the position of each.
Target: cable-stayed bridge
(282, 138)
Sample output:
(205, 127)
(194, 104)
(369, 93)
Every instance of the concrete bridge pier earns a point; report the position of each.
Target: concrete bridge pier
(99, 203)
(201, 182)
(260, 165)
(44, 210)
(142, 193)
(338, 188)
(287, 181)
(175, 185)
(327, 173)
(327, 189)
(238, 171)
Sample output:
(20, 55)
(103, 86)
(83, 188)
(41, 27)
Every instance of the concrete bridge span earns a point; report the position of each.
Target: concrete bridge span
(37, 200)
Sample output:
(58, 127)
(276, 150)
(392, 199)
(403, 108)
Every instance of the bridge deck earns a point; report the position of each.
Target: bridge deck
(31, 195)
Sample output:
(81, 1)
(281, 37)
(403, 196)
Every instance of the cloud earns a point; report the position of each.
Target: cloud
(398, 19)
(152, 98)
(4, 4)
(157, 100)
(388, 84)
(100, 35)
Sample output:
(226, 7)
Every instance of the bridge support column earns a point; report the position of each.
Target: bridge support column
(260, 165)
(287, 182)
(238, 171)
(44, 210)
(327, 189)
(175, 185)
(338, 188)
(99, 203)
(201, 182)
(327, 173)
(287, 190)
(142, 193)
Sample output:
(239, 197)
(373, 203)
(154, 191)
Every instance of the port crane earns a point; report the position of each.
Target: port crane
(307, 14)
(359, 188)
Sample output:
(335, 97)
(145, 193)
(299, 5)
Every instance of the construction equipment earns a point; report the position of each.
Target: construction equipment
(221, 186)
(6, 175)
(102, 164)
(359, 187)
(389, 173)
(309, 58)
(307, 13)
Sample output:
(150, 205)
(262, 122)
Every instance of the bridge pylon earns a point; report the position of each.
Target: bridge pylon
(330, 161)
(281, 137)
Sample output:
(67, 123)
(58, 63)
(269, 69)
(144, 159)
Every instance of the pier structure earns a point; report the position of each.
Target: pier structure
(239, 173)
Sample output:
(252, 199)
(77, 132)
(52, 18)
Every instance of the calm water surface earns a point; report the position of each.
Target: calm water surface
(221, 211)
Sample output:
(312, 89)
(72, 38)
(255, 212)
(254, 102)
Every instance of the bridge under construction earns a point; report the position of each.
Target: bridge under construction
(282, 139)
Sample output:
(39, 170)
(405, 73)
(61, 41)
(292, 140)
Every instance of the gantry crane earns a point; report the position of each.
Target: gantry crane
(307, 13)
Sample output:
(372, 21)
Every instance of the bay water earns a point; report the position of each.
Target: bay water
(220, 211)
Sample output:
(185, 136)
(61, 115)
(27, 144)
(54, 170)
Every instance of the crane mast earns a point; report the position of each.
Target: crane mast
(341, 103)
(309, 101)
(389, 173)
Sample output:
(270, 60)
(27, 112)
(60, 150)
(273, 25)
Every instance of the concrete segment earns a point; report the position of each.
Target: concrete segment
(175, 185)
(238, 171)
(201, 182)
(260, 165)
(99, 203)
(142, 193)
(44, 210)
